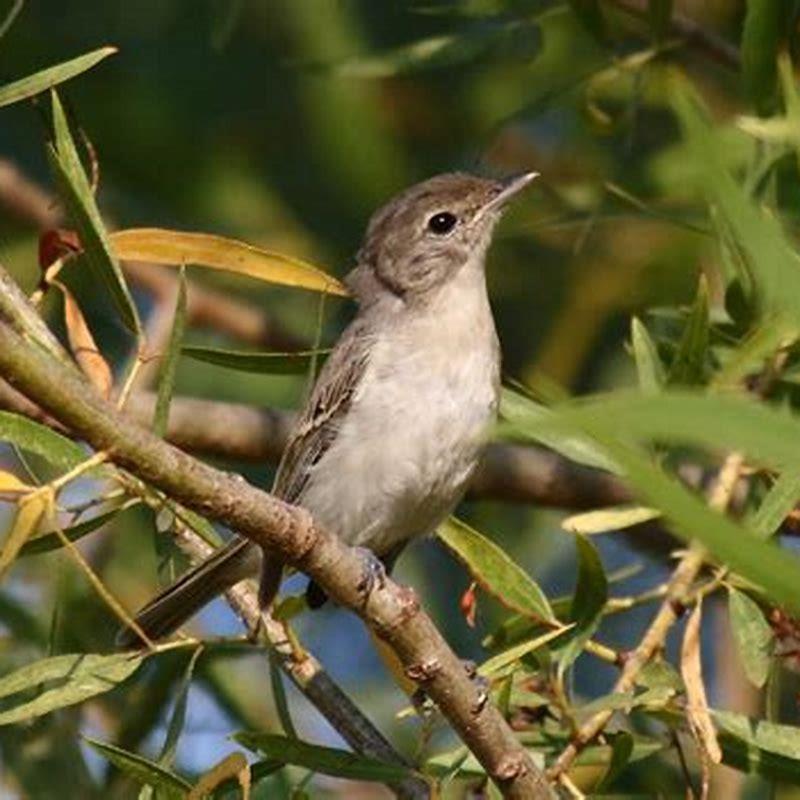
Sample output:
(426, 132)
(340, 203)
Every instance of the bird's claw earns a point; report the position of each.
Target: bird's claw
(373, 573)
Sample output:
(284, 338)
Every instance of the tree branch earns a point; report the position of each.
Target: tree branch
(392, 612)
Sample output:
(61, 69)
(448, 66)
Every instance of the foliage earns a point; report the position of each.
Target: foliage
(649, 307)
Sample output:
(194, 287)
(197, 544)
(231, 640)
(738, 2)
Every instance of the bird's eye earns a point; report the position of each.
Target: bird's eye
(442, 222)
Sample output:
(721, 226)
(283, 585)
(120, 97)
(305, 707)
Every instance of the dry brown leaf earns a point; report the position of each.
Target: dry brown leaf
(697, 711)
(30, 512)
(232, 766)
(83, 346)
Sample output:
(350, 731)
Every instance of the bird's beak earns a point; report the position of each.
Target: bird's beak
(511, 187)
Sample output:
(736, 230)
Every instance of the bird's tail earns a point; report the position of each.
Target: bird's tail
(197, 587)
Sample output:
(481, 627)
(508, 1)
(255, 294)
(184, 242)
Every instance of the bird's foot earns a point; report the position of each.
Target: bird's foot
(481, 683)
(373, 573)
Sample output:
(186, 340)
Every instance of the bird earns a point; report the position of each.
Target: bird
(394, 426)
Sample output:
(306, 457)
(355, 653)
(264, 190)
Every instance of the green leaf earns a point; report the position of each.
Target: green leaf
(609, 519)
(169, 785)
(494, 571)
(767, 256)
(167, 757)
(279, 696)
(783, 740)
(327, 760)
(689, 366)
(166, 381)
(77, 195)
(48, 542)
(523, 416)
(52, 76)
(499, 662)
(763, 28)
(266, 363)
(753, 636)
(621, 752)
(588, 601)
(590, 16)
(36, 438)
(75, 677)
(649, 368)
(775, 507)
(498, 41)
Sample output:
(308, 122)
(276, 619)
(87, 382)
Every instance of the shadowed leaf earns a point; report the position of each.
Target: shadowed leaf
(169, 363)
(264, 363)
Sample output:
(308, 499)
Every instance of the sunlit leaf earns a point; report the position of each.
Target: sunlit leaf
(169, 785)
(177, 248)
(77, 194)
(266, 363)
(782, 497)
(609, 519)
(52, 76)
(30, 512)
(651, 372)
(36, 438)
(327, 760)
(169, 363)
(84, 348)
(12, 484)
(75, 677)
(494, 571)
(753, 635)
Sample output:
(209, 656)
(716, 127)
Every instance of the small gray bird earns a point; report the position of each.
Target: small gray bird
(394, 426)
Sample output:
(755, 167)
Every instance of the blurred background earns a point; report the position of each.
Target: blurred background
(286, 124)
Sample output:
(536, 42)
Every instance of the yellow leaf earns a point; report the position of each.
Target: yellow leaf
(29, 515)
(11, 483)
(175, 248)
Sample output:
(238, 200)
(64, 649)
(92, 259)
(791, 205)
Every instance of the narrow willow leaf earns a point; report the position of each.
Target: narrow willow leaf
(753, 635)
(169, 364)
(48, 78)
(177, 248)
(768, 256)
(265, 363)
(36, 438)
(782, 497)
(77, 195)
(689, 365)
(588, 601)
(621, 752)
(750, 355)
(48, 542)
(761, 35)
(500, 41)
(500, 661)
(494, 571)
(75, 678)
(175, 728)
(609, 519)
(327, 760)
(522, 417)
(649, 368)
(279, 696)
(30, 513)
(697, 711)
(169, 785)
(84, 347)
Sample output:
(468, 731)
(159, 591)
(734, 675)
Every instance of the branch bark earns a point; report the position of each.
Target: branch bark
(393, 612)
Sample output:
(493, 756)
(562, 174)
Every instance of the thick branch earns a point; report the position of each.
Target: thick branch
(392, 611)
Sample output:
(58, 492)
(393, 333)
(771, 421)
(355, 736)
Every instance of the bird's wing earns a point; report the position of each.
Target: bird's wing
(318, 425)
